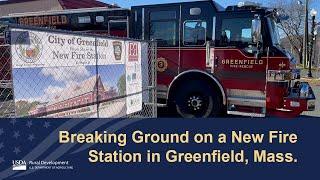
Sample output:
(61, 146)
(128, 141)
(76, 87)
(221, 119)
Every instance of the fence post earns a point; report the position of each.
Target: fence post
(97, 76)
(154, 78)
(7, 109)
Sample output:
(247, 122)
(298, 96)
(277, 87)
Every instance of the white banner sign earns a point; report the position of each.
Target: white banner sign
(48, 49)
(134, 77)
(60, 75)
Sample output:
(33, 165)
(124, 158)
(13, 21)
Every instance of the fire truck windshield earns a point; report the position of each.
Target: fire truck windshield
(274, 32)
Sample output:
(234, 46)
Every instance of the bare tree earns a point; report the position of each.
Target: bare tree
(293, 28)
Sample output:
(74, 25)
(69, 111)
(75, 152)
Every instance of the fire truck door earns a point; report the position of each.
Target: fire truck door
(242, 74)
(162, 24)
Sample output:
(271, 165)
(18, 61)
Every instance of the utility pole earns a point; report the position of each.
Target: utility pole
(306, 34)
(313, 14)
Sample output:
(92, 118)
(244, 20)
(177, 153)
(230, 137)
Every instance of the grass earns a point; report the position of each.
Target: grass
(312, 82)
(315, 81)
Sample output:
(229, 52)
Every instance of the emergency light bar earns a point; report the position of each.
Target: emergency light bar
(248, 3)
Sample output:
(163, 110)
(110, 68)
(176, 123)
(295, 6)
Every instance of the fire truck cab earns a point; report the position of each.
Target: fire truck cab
(214, 60)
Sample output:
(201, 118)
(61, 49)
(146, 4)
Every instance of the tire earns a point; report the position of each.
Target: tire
(197, 99)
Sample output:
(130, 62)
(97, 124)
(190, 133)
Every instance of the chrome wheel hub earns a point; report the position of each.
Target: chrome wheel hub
(195, 103)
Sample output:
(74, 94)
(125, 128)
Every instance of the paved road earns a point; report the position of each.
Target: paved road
(163, 113)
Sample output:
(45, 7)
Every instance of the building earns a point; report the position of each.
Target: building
(22, 6)
(76, 96)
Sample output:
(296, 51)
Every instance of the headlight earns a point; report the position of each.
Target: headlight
(311, 105)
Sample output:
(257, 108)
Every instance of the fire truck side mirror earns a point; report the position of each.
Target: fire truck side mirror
(256, 30)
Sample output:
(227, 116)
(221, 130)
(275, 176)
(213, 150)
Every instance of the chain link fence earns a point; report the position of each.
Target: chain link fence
(6, 88)
(59, 74)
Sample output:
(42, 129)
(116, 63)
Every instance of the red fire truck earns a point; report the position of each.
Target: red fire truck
(214, 60)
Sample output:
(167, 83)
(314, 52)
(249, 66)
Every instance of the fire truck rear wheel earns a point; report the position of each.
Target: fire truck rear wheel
(198, 99)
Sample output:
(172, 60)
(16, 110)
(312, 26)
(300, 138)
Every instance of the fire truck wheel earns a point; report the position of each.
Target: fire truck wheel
(198, 99)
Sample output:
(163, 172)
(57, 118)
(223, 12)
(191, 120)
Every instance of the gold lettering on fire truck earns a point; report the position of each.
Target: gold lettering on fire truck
(44, 20)
(242, 63)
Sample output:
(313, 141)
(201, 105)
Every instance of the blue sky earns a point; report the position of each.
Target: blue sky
(129, 3)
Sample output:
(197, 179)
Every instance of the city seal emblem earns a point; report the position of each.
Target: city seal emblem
(28, 47)
(117, 50)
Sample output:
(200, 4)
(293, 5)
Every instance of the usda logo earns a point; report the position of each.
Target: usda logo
(19, 165)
